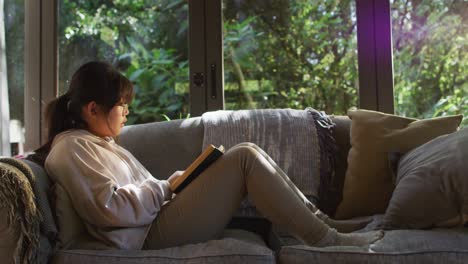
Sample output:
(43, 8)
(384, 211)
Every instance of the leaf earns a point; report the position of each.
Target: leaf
(108, 36)
(173, 4)
(136, 74)
(174, 107)
(158, 81)
(166, 117)
(125, 56)
(163, 61)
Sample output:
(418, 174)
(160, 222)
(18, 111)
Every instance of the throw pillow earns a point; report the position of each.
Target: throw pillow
(368, 182)
(432, 184)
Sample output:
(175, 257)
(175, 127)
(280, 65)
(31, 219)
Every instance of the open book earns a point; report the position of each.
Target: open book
(208, 156)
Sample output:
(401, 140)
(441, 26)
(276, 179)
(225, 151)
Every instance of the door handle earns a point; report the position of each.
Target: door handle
(213, 81)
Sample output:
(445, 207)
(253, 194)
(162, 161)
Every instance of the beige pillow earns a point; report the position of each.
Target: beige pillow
(368, 182)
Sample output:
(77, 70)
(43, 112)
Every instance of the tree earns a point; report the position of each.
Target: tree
(302, 52)
(430, 57)
(278, 53)
(139, 38)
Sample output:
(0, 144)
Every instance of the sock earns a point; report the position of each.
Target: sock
(348, 226)
(343, 226)
(333, 238)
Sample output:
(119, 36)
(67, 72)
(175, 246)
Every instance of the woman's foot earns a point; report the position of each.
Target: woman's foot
(333, 238)
(348, 226)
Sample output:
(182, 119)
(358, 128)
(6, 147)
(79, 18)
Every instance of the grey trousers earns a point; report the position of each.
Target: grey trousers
(203, 209)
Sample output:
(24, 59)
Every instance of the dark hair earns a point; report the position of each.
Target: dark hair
(94, 81)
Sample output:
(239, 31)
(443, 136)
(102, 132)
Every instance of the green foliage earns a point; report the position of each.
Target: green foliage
(430, 58)
(14, 42)
(155, 75)
(145, 39)
(301, 54)
(277, 53)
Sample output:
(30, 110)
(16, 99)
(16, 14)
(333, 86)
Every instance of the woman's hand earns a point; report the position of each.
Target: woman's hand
(173, 178)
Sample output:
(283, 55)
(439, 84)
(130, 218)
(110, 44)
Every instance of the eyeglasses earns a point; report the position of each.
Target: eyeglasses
(125, 109)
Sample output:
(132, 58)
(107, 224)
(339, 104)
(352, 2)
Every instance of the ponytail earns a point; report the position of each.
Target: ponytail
(61, 114)
(55, 116)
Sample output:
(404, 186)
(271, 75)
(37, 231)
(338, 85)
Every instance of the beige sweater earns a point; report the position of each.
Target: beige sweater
(111, 191)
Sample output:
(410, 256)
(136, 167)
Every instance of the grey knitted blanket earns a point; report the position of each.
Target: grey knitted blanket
(288, 136)
(19, 202)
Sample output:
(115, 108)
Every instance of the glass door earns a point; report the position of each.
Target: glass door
(430, 57)
(290, 54)
(12, 78)
(147, 40)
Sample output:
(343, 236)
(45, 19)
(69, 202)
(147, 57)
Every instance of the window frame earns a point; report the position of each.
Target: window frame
(375, 63)
(375, 55)
(4, 105)
(40, 67)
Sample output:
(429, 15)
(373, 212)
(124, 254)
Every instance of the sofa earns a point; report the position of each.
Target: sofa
(163, 147)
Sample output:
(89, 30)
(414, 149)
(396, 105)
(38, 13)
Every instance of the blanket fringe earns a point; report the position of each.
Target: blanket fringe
(18, 201)
(328, 152)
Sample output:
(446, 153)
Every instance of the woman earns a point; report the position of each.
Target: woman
(123, 206)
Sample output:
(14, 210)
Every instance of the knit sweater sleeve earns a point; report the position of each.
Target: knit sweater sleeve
(86, 174)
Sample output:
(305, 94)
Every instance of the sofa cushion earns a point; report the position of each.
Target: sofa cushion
(398, 246)
(368, 183)
(227, 250)
(432, 186)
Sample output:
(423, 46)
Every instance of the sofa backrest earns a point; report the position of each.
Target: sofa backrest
(164, 147)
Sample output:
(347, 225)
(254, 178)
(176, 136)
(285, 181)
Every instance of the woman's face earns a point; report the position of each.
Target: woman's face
(105, 124)
(116, 119)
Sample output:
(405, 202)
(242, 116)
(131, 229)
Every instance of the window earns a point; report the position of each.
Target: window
(276, 54)
(290, 54)
(430, 58)
(13, 77)
(147, 40)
